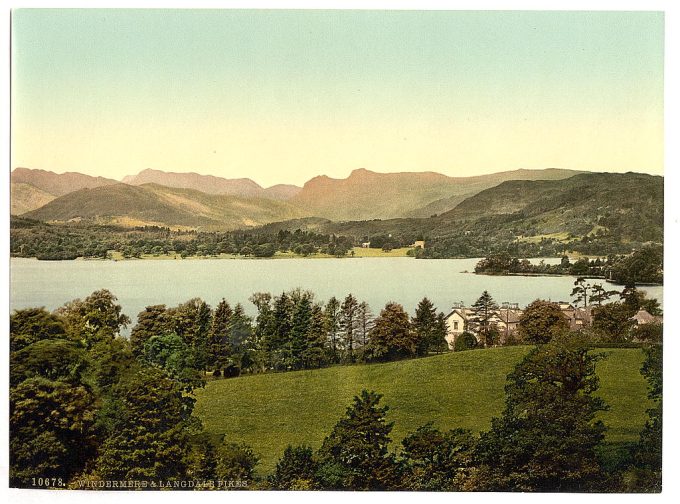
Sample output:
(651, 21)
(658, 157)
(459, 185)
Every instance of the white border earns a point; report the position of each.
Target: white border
(671, 466)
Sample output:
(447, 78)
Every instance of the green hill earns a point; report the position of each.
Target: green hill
(152, 204)
(628, 205)
(464, 389)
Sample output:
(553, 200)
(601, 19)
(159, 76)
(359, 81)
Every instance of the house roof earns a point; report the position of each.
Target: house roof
(510, 316)
(644, 317)
(462, 312)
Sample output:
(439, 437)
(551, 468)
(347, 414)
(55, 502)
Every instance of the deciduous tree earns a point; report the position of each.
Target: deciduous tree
(540, 321)
(391, 337)
(438, 461)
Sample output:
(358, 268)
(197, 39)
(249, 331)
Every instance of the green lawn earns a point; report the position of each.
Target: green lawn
(462, 389)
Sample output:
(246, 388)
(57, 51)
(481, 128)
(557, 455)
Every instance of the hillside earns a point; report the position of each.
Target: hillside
(151, 204)
(25, 197)
(209, 184)
(369, 195)
(58, 184)
(593, 213)
(464, 389)
(627, 205)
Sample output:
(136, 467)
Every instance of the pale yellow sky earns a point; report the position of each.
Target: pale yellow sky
(282, 96)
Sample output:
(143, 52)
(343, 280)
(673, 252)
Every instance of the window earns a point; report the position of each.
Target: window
(455, 326)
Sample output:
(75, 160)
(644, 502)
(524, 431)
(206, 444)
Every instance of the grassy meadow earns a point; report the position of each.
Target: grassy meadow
(464, 389)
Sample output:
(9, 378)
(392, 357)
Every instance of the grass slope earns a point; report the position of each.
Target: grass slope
(464, 389)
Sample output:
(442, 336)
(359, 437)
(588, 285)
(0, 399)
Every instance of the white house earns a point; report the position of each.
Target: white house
(456, 323)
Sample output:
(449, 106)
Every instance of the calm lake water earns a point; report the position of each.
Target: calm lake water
(138, 284)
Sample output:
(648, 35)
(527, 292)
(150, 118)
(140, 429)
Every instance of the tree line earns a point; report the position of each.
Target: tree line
(644, 266)
(67, 241)
(30, 238)
(291, 331)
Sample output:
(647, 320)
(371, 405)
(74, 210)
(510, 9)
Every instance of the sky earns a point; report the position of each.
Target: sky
(283, 96)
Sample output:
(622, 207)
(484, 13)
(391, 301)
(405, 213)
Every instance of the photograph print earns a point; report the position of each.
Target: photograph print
(377, 250)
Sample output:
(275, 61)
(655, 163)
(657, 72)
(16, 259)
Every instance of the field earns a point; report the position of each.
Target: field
(463, 389)
(355, 252)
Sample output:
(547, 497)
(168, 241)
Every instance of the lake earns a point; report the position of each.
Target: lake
(138, 284)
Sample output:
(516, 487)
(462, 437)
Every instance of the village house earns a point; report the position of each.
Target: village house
(456, 322)
(418, 244)
(643, 317)
(506, 320)
(578, 317)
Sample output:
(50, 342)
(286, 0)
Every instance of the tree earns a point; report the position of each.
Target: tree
(541, 321)
(315, 354)
(94, 319)
(56, 359)
(300, 326)
(581, 291)
(354, 456)
(482, 311)
(240, 333)
(295, 470)
(547, 437)
(429, 328)
(147, 420)
(52, 432)
(391, 337)
(365, 323)
(648, 453)
(192, 321)
(219, 349)
(438, 461)
(465, 341)
(256, 352)
(30, 325)
(153, 321)
(642, 266)
(599, 294)
(202, 458)
(171, 353)
(332, 322)
(349, 312)
(236, 462)
(110, 361)
(614, 320)
(279, 342)
(634, 300)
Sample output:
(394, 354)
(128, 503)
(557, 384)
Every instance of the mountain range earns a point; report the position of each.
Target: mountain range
(363, 195)
(366, 195)
(210, 184)
(517, 203)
